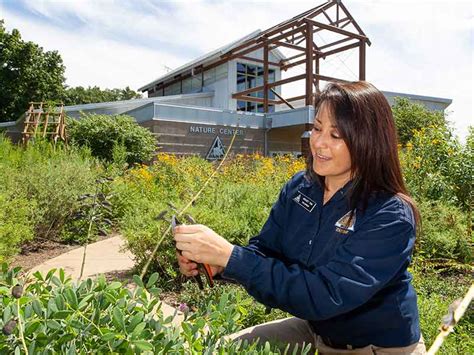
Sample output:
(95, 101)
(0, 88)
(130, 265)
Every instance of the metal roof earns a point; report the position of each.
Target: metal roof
(209, 58)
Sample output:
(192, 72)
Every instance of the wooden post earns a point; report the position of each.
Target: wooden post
(265, 78)
(309, 64)
(361, 59)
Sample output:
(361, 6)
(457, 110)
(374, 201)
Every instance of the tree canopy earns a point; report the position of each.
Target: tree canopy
(29, 73)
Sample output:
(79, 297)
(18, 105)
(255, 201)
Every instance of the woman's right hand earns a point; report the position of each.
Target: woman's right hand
(189, 268)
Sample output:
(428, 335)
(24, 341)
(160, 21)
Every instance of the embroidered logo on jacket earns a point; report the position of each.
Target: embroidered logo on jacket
(304, 201)
(345, 224)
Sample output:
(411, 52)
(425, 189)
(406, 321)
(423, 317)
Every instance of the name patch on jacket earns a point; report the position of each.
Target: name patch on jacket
(345, 224)
(304, 201)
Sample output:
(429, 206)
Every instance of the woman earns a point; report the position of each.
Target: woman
(335, 249)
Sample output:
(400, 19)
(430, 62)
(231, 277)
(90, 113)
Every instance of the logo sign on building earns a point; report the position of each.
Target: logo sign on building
(217, 150)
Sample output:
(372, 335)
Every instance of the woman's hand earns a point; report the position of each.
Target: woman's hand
(189, 268)
(200, 244)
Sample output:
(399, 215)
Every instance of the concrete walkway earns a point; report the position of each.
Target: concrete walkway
(101, 257)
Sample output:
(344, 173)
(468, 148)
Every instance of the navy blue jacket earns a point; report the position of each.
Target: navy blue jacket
(348, 278)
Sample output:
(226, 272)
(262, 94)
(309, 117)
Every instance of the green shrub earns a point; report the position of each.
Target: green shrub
(102, 133)
(443, 234)
(51, 314)
(435, 293)
(16, 224)
(410, 117)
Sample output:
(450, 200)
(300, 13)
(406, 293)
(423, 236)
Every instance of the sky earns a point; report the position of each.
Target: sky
(422, 47)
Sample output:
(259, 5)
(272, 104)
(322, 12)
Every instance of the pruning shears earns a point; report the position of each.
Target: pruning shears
(203, 268)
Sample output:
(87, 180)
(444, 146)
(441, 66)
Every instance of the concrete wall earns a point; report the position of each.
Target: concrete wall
(197, 139)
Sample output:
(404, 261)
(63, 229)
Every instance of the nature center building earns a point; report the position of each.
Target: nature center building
(197, 108)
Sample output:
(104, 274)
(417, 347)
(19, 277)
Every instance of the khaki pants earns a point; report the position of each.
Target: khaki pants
(297, 331)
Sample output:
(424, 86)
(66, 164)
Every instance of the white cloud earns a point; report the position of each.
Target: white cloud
(422, 47)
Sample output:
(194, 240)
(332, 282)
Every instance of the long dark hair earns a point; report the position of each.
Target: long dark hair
(364, 120)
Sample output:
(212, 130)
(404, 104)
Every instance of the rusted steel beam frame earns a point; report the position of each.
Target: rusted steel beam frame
(347, 23)
(282, 99)
(330, 78)
(354, 22)
(270, 85)
(309, 63)
(294, 64)
(341, 49)
(260, 45)
(289, 45)
(316, 79)
(255, 99)
(336, 29)
(335, 43)
(259, 60)
(309, 13)
(263, 36)
(295, 56)
(265, 78)
(319, 9)
(362, 60)
(296, 98)
(328, 18)
(321, 29)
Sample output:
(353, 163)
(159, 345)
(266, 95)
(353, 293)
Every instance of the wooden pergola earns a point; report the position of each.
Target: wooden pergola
(298, 34)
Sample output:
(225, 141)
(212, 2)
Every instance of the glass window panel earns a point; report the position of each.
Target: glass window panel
(196, 84)
(250, 106)
(186, 85)
(271, 76)
(251, 69)
(260, 71)
(271, 108)
(251, 82)
(241, 105)
(260, 108)
(241, 86)
(209, 76)
(271, 95)
(241, 68)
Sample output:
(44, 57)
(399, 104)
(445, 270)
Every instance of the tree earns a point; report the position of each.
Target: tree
(410, 117)
(79, 95)
(27, 73)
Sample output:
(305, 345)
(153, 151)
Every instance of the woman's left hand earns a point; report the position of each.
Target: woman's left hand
(202, 245)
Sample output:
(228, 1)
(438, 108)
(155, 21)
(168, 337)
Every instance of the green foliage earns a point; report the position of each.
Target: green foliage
(443, 234)
(410, 117)
(235, 204)
(435, 293)
(51, 314)
(16, 223)
(40, 187)
(27, 73)
(80, 95)
(102, 133)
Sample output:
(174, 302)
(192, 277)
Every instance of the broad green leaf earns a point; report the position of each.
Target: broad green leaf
(118, 319)
(50, 274)
(143, 345)
(136, 319)
(52, 324)
(114, 285)
(71, 297)
(138, 280)
(32, 326)
(139, 328)
(108, 336)
(152, 280)
(38, 308)
(61, 275)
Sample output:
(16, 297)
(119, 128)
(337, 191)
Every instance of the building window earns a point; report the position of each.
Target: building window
(250, 76)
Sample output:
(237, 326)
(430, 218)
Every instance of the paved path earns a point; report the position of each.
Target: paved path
(102, 257)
